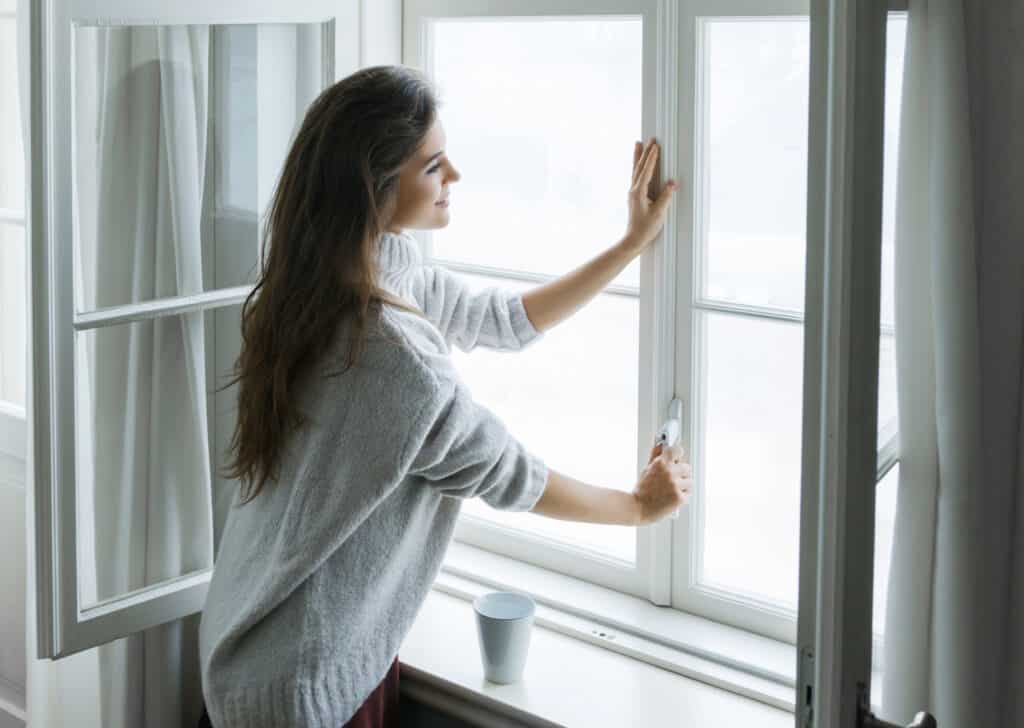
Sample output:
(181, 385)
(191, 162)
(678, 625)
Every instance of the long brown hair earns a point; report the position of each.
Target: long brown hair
(333, 200)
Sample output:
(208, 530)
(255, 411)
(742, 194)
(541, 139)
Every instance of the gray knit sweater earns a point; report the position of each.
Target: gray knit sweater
(319, 578)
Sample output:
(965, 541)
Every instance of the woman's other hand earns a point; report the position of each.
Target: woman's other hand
(664, 485)
(646, 213)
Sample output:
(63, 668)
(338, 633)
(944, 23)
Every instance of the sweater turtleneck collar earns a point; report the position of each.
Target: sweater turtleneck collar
(397, 252)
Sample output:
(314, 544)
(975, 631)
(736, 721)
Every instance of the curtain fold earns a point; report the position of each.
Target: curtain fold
(149, 434)
(949, 609)
(156, 90)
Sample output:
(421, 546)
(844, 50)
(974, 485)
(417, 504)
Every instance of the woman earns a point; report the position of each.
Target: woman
(354, 424)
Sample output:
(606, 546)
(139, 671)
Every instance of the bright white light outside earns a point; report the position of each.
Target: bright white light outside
(754, 178)
(571, 398)
(540, 118)
(754, 192)
(518, 207)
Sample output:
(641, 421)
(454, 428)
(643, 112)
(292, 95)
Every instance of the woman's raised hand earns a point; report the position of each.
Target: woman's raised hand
(664, 485)
(646, 213)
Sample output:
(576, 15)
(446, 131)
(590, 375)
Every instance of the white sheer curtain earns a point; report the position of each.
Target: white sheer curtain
(143, 442)
(954, 624)
(152, 488)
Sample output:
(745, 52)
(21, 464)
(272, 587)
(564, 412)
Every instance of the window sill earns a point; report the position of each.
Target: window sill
(687, 653)
(660, 666)
(748, 664)
(567, 681)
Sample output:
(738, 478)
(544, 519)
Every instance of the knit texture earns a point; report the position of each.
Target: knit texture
(318, 580)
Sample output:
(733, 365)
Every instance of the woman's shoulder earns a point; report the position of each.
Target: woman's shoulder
(422, 346)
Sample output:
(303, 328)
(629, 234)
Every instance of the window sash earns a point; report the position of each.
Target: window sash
(658, 581)
(762, 618)
(650, 577)
(63, 626)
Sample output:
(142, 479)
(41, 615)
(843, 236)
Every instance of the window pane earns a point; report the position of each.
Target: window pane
(752, 181)
(150, 433)
(885, 518)
(895, 45)
(572, 399)
(748, 461)
(896, 32)
(13, 312)
(12, 160)
(887, 405)
(180, 135)
(543, 186)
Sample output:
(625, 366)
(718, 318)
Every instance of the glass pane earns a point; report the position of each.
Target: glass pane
(13, 314)
(543, 186)
(895, 44)
(752, 178)
(885, 519)
(151, 436)
(572, 399)
(886, 491)
(180, 134)
(12, 159)
(748, 461)
(887, 405)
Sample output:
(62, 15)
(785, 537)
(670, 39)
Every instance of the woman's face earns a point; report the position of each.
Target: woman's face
(422, 183)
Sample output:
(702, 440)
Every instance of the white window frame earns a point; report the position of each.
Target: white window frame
(649, 578)
(64, 627)
(721, 606)
(668, 305)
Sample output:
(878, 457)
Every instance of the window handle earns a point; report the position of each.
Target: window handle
(867, 719)
(668, 435)
(921, 720)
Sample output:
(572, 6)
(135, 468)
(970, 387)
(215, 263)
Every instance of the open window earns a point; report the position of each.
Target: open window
(166, 127)
(159, 133)
(541, 103)
(711, 313)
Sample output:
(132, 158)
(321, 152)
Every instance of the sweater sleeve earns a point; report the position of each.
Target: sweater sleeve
(494, 317)
(467, 451)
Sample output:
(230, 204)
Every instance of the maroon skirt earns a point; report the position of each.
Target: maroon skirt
(380, 709)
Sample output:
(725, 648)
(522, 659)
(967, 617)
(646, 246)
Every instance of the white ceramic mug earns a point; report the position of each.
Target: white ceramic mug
(504, 621)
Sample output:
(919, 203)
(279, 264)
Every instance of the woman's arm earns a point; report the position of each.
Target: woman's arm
(494, 318)
(572, 500)
(557, 300)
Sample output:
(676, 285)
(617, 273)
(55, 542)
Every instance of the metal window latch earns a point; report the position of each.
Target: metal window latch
(669, 433)
(867, 719)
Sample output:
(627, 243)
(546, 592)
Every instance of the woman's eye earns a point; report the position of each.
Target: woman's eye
(433, 169)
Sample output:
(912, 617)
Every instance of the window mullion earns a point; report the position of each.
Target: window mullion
(660, 315)
(656, 544)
